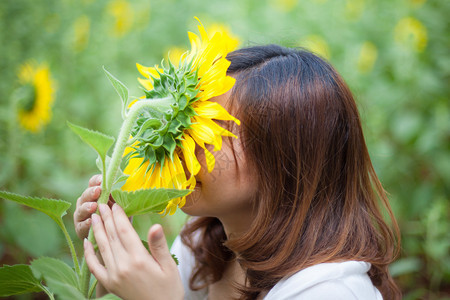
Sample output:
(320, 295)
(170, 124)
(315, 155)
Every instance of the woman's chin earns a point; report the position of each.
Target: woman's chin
(191, 201)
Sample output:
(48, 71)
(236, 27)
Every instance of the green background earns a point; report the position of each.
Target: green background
(393, 54)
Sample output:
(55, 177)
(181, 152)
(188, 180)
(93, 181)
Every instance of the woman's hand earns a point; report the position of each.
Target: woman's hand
(129, 270)
(87, 205)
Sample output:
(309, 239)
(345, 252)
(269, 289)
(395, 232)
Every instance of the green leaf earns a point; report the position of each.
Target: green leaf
(120, 88)
(64, 291)
(175, 258)
(54, 269)
(146, 200)
(97, 140)
(17, 279)
(19, 223)
(55, 209)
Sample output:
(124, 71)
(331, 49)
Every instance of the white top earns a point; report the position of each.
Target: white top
(345, 280)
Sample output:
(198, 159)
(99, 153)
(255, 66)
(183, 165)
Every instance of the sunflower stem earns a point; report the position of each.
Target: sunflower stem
(71, 247)
(110, 174)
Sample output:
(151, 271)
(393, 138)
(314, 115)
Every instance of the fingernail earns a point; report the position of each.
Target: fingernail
(85, 241)
(103, 208)
(159, 232)
(115, 207)
(95, 219)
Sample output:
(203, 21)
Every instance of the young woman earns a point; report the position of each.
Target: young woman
(293, 209)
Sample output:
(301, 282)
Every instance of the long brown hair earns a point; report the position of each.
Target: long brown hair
(319, 199)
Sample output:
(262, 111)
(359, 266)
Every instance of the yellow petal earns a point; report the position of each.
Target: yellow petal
(202, 132)
(136, 174)
(154, 179)
(188, 150)
(182, 202)
(213, 110)
(210, 160)
(217, 129)
(202, 30)
(178, 177)
(147, 71)
(210, 90)
(166, 179)
(146, 83)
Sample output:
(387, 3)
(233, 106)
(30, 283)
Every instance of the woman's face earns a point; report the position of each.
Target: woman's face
(228, 190)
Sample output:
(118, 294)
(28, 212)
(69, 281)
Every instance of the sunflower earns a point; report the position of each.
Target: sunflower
(123, 15)
(165, 136)
(411, 33)
(35, 96)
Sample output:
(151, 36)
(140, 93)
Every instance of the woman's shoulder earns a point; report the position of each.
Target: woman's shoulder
(342, 280)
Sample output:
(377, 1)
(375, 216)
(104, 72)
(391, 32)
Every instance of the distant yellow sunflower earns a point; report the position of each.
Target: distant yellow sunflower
(367, 57)
(186, 116)
(318, 45)
(81, 32)
(123, 15)
(35, 96)
(411, 33)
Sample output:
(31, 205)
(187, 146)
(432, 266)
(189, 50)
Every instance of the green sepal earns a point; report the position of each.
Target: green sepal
(175, 127)
(158, 141)
(146, 200)
(169, 144)
(18, 279)
(148, 124)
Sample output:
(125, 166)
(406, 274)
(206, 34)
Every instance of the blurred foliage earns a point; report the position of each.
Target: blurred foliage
(393, 54)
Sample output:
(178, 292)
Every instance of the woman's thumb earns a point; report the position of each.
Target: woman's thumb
(158, 246)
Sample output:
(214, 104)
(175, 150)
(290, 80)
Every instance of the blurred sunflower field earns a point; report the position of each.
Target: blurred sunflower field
(393, 54)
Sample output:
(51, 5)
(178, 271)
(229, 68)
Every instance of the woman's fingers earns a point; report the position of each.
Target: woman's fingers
(129, 270)
(93, 263)
(84, 211)
(91, 194)
(102, 241)
(82, 228)
(158, 247)
(86, 205)
(110, 225)
(95, 180)
(127, 234)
